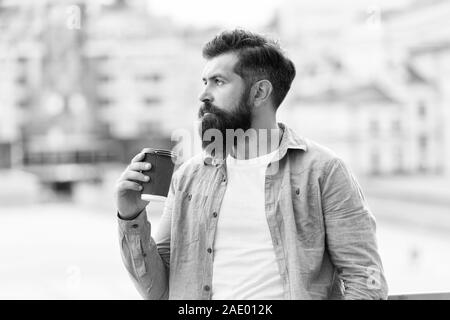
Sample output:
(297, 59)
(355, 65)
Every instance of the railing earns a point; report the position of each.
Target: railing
(421, 296)
(66, 166)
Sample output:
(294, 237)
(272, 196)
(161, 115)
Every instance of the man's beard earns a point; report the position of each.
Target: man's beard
(221, 120)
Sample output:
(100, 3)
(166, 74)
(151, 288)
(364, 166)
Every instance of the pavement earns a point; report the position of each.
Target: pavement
(69, 249)
(61, 251)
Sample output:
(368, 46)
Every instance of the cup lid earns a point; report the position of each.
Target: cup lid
(163, 152)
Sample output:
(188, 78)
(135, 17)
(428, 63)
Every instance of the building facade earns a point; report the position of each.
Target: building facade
(372, 84)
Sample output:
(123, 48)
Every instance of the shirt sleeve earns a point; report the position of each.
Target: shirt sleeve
(351, 235)
(146, 260)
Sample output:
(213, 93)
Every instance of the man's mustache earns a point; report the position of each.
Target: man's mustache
(208, 107)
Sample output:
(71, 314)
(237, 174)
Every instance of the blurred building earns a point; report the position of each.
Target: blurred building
(140, 70)
(85, 82)
(361, 124)
(419, 35)
(368, 84)
(19, 62)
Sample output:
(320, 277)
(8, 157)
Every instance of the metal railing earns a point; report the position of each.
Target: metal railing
(421, 296)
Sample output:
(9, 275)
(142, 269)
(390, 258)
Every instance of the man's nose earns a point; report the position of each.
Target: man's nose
(205, 95)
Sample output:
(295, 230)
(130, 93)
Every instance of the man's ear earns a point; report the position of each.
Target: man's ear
(261, 92)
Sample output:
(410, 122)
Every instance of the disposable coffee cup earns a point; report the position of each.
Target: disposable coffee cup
(160, 174)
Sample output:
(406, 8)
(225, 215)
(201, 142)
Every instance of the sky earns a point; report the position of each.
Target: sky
(251, 13)
(228, 13)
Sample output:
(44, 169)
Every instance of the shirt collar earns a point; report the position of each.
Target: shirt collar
(289, 140)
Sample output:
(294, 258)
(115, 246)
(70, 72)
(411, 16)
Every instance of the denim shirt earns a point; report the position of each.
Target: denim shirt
(322, 230)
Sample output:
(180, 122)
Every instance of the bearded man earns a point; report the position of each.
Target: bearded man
(263, 213)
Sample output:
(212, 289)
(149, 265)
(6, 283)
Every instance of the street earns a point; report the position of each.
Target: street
(70, 251)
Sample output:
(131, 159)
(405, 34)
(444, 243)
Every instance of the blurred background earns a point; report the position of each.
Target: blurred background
(85, 85)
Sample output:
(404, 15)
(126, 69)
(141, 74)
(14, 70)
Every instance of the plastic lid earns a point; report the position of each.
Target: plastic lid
(159, 151)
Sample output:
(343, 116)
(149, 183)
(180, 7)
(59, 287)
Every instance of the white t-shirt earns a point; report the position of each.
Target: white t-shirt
(244, 265)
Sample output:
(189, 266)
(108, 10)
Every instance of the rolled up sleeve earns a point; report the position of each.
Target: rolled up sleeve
(141, 258)
(351, 235)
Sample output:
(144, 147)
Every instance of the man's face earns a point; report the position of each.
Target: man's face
(224, 98)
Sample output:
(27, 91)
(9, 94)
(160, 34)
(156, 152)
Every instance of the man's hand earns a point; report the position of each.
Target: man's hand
(129, 187)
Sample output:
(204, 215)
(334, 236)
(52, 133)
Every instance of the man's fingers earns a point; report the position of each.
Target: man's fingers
(133, 175)
(139, 166)
(129, 185)
(138, 157)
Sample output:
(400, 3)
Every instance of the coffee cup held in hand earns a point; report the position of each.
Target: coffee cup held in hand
(162, 161)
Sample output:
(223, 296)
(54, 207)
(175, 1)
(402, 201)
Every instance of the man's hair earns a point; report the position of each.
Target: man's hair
(259, 58)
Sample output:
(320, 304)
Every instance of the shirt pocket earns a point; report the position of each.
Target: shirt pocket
(187, 224)
(307, 212)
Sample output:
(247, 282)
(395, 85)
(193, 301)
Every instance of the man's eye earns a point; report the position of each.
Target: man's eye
(219, 82)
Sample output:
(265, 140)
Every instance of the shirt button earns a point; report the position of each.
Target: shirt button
(135, 226)
(215, 214)
(224, 180)
(207, 160)
(297, 191)
(189, 196)
(207, 288)
(209, 250)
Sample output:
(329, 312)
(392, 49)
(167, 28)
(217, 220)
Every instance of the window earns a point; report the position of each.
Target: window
(5, 155)
(374, 128)
(152, 77)
(105, 78)
(22, 80)
(103, 57)
(24, 103)
(398, 160)
(22, 60)
(423, 151)
(423, 142)
(104, 102)
(396, 126)
(422, 109)
(375, 163)
(152, 101)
